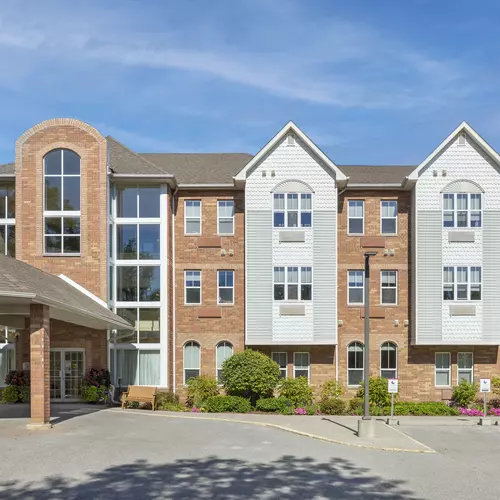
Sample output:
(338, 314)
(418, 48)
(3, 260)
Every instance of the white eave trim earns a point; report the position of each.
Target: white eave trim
(83, 290)
(290, 127)
(208, 186)
(463, 127)
(142, 176)
(387, 185)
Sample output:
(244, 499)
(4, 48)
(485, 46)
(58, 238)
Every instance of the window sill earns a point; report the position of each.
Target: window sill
(228, 235)
(61, 255)
(355, 234)
(388, 235)
(388, 305)
(226, 305)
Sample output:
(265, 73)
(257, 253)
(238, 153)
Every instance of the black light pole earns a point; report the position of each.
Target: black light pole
(366, 415)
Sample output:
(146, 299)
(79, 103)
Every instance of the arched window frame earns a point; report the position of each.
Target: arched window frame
(218, 360)
(391, 370)
(356, 368)
(61, 225)
(462, 199)
(195, 369)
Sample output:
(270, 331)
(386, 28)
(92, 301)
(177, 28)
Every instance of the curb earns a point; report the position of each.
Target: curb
(428, 450)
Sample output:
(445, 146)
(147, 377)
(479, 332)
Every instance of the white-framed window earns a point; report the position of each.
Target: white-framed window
(138, 283)
(356, 217)
(282, 359)
(7, 352)
(192, 287)
(7, 219)
(462, 209)
(192, 360)
(389, 217)
(225, 287)
(293, 283)
(355, 363)
(462, 283)
(224, 350)
(443, 369)
(192, 216)
(388, 287)
(356, 287)
(301, 365)
(146, 321)
(292, 210)
(225, 217)
(465, 366)
(389, 360)
(135, 366)
(61, 202)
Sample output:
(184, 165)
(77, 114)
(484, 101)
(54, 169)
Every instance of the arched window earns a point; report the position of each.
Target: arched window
(191, 360)
(355, 363)
(389, 360)
(61, 170)
(224, 351)
(462, 204)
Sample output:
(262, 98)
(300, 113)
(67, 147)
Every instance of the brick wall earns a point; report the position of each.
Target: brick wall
(188, 256)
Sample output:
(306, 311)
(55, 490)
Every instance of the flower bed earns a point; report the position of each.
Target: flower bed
(474, 412)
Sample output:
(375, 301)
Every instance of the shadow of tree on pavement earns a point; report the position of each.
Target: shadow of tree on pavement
(286, 478)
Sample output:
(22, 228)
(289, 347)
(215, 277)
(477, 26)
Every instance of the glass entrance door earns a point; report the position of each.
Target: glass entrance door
(66, 374)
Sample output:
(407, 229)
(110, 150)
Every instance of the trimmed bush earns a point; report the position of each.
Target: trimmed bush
(169, 401)
(166, 406)
(297, 390)
(332, 406)
(234, 404)
(464, 393)
(312, 409)
(93, 394)
(379, 393)
(430, 408)
(201, 388)
(331, 390)
(276, 405)
(495, 386)
(250, 374)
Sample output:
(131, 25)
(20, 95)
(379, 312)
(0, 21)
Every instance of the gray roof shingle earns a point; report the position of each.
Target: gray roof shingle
(376, 174)
(8, 169)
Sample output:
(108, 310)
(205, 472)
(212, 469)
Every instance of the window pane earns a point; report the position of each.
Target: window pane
(388, 296)
(71, 244)
(53, 244)
(149, 241)
(126, 241)
(475, 202)
(462, 292)
(11, 240)
(461, 219)
(475, 292)
(306, 219)
(301, 359)
(131, 316)
(461, 202)
(279, 219)
(279, 274)
(448, 273)
(280, 358)
(292, 201)
(475, 274)
(475, 219)
(466, 375)
(53, 163)
(149, 326)
(126, 201)
(53, 225)
(193, 208)
(293, 275)
(306, 292)
(193, 278)
(225, 295)
(356, 208)
(226, 226)
(3, 195)
(224, 351)
(127, 359)
(149, 367)
(448, 219)
(191, 356)
(389, 226)
(149, 283)
(11, 201)
(448, 200)
(193, 296)
(293, 292)
(279, 202)
(465, 360)
(71, 162)
(355, 377)
(293, 219)
(448, 293)
(461, 275)
(52, 193)
(226, 209)
(71, 193)
(71, 225)
(355, 295)
(355, 226)
(443, 378)
(442, 360)
(279, 292)
(388, 373)
(149, 201)
(389, 208)
(193, 226)
(126, 277)
(306, 275)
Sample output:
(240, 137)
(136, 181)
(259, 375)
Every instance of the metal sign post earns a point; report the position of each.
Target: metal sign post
(485, 387)
(392, 387)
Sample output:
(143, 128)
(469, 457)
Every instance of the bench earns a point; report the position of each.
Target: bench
(140, 394)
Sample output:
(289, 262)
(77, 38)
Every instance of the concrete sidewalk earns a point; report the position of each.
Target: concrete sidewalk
(338, 430)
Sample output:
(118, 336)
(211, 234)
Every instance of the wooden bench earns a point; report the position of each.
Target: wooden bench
(140, 394)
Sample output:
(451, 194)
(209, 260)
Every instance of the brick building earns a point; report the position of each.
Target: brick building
(204, 254)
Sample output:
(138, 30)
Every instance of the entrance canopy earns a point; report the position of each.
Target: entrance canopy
(22, 285)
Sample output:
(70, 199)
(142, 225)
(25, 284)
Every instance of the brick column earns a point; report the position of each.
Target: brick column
(40, 366)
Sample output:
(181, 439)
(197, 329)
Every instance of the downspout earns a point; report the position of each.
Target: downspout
(173, 289)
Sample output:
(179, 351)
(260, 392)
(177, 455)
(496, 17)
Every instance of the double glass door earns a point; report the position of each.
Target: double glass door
(66, 374)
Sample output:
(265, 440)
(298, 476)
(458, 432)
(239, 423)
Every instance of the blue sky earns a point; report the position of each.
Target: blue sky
(369, 82)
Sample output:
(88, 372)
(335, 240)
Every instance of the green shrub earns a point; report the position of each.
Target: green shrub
(429, 408)
(332, 406)
(10, 394)
(167, 397)
(277, 405)
(201, 388)
(312, 409)
(234, 404)
(495, 386)
(250, 374)
(93, 394)
(355, 406)
(297, 390)
(464, 393)
(379, 393)
(331, 389)
(167, 406)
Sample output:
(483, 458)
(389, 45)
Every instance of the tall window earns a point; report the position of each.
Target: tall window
(462, 283)
(192, 217)
(355, 363)
(465, 364)
(292, 210)
(389, 360)
(282, 359)
(191, 360)
(389, 217)
(225, 217)
(62, 202)
(225, 287)
(7, 219)
(389, 287)
(356, 287)
(224, 350)
(462, 210)
(443, 369)
(192, 285)
(356, 217)
(301, 365)
(292, 283)
(7, 352)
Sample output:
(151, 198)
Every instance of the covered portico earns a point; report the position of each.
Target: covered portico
(43, 307)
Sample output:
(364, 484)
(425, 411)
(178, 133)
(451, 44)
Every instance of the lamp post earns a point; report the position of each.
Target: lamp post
(366, 415)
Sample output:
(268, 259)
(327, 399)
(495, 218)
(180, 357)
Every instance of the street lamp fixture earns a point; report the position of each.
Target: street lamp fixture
(366, 415)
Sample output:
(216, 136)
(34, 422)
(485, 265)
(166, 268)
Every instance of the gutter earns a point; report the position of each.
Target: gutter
(142, 176)
(207, 186)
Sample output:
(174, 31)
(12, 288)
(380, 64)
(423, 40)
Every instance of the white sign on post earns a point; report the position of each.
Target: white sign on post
(392, 385)
(484, 385)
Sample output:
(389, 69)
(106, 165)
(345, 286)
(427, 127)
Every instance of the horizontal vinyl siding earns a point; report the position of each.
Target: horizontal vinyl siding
(325, 277)
(491, 276)
(429, 277)
(259, 274)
